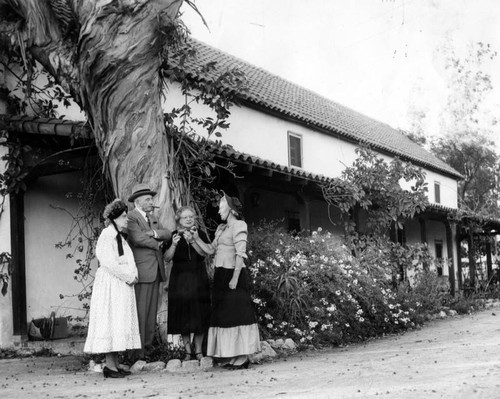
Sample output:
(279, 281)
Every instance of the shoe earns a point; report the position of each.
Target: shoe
(242, 366)
(123, 371)
(187, 357)
(108, 373)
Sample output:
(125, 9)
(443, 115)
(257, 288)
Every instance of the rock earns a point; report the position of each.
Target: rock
(95, 367)
(154, 366)
(190, 366)
(137, 366)
(255, 358)
(442, 314)
(289, 344)
(267, 351)
(174, 365)
(278, 343)
(206, 363)
(271, 342)
(452, 312)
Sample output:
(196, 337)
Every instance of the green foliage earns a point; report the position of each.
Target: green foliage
(372, 184)
(12, 179)
(473, 155)
(193, 137)
(36, 91)
(313, 290)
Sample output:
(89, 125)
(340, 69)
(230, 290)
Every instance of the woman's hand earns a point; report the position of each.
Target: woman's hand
(233, 283)
(188, 236)
(135, 281)
(194, 232)
(176, 238)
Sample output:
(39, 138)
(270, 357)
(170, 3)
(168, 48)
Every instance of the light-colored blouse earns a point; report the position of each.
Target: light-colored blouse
(230, 241)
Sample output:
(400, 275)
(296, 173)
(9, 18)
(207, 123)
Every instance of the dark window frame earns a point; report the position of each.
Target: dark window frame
(437, 192)
(299, 138)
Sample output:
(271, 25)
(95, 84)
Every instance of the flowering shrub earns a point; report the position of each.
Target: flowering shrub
(313, 290)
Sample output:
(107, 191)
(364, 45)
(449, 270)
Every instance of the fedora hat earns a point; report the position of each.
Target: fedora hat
(139, 190)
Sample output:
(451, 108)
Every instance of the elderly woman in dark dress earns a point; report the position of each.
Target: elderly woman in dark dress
(188, 289)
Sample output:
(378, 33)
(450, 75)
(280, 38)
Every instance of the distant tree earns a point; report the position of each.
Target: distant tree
(474, 156)
(467, 128)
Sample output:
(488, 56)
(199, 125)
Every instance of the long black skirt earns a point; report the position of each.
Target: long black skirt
(188, 299)
(231, 308)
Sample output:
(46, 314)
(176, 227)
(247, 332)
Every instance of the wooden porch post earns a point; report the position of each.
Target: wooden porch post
(489, 265)
(459, 258)
(423, 237)
(18, 266)
(449, 246)
(472, 261)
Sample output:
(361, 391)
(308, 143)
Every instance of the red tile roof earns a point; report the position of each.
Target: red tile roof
(276, 94)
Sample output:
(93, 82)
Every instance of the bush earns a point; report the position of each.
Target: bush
(311, 289)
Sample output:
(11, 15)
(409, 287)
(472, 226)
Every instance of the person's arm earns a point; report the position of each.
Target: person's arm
(160, 233)
(107, 253)
(203, 248)
(240, 234)
(139, 237)
(169, 254)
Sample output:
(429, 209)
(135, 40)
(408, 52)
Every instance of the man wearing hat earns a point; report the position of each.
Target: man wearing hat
(145, 237)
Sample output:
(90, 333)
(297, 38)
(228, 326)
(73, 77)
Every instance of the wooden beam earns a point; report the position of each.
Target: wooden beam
(18, 265)
(449, 246)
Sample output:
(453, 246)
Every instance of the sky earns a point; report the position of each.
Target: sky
(377, 57)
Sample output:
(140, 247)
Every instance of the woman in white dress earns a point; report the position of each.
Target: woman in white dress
(113, 325)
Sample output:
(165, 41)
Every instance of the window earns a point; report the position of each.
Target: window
(437, 192)
(293, 222)
(294, 150)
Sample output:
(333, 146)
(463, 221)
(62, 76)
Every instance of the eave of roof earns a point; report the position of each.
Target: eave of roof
(52, 127)
(277, 95)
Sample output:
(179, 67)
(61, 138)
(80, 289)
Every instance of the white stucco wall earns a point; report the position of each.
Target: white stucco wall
(266, 136)
(6, 322)
(48, 272)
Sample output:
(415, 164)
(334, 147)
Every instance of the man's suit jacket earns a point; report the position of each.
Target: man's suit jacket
(147, 253)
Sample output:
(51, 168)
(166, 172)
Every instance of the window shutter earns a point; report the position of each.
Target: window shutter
(295, 150)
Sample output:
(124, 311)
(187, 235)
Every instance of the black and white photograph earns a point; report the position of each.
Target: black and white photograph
(262, 199)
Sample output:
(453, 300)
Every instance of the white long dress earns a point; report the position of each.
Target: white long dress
(113, 325)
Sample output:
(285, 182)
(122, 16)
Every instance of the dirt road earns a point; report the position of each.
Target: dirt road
(451, 358)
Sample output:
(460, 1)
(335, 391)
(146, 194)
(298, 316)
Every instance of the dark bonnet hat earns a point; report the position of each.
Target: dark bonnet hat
(234, 203)
(114, 209)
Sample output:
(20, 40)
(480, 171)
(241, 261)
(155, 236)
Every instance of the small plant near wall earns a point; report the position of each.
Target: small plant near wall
(5, 271)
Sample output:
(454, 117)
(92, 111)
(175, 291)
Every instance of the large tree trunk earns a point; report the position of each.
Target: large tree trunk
(107, 55)
(111, 69)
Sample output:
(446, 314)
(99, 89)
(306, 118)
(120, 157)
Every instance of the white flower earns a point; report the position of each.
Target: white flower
(332, 308)
(270, 325)
(313, 324)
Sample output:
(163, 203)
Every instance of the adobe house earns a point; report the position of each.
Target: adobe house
(285, 140)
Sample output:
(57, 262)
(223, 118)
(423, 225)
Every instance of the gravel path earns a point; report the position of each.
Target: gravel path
(456, 357)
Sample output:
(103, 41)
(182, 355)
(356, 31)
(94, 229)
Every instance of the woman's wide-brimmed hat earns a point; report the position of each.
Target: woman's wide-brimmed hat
(139, 190)
(233, 202)
(114, 209)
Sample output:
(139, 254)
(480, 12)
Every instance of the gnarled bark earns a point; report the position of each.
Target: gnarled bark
(106, 54)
